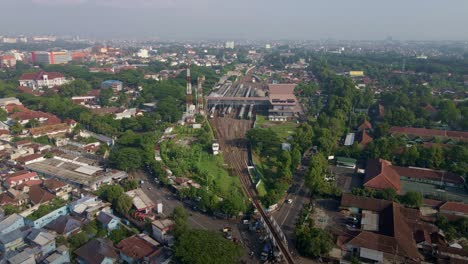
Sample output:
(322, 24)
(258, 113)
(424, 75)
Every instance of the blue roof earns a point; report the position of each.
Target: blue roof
(111, 81)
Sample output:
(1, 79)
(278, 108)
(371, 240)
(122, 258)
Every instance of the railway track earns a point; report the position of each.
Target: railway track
(231, 134)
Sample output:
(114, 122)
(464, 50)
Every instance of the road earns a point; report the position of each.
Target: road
(287, 214)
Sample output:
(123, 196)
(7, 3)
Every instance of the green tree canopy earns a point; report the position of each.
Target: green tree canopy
(123, 204)
(205, 247)
(312, 241)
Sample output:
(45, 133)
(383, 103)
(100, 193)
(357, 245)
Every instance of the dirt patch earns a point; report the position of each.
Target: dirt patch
(187, 142)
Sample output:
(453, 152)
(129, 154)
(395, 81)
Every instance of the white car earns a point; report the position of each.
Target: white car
(289, 201)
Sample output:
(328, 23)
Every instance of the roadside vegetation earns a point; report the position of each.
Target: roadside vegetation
(196, 246)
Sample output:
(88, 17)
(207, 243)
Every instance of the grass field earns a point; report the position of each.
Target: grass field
(221, 179)
(261, 189)
(283, 129)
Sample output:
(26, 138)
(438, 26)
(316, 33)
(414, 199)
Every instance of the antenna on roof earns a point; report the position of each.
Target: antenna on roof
(189, 89)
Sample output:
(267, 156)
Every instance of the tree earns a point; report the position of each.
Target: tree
(10, 209)
(168, 109)
(16, 128)
(3, 115)
(448, 112)
(110, 192)
(180, 216)
(233, 204)
(311, 241)
(76, 87)
(118, 235)
(105, 96)
(315, 177)
(78, 240)
(205, 247)
(412, 199)
(130, 185)
(123, 204)
(91, 228)
(387, 194)
(126, 159)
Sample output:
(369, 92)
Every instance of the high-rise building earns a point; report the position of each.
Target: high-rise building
(53, 57)
(229, 45)
(143, 53)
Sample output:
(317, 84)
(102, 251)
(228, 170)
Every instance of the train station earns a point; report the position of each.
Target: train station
(277, 101)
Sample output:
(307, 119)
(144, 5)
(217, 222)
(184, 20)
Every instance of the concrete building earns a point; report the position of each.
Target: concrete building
(38, 80)
(143, 53)
(11, 223)
(97, 251)
(141, 201)
(112, 84)
(59, 256)
(46, 219)
(283, 102)
(79, 172)
(52, 57)
(161, 230)
(229, 45)
(7, 61)
(12, 240)
(137, 248)
(43, 239)
(381, 174)
(108, 220)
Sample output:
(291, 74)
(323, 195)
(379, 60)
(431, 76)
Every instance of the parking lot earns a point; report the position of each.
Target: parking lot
(346, 179)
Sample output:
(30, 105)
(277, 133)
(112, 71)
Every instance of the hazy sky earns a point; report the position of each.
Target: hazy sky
(239, 19)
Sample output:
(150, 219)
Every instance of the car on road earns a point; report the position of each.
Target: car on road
(289, 201)
(149, 188)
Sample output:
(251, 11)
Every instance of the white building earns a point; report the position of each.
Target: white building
(143, 53)
(37, 80)
(229, 45)
(161, 231)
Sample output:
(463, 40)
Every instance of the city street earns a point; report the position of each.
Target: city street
(287, 214)
(196, 219)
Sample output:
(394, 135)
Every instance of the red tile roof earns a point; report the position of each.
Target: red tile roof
(381, 175)
(394, 236)
(28, 184)
(37, 195)
(48, 129)
(27, 158)
(53, 184)
(365, 203)
(282, 92)
(27, 90)
(431, 203)
(136, 247)
(38, 75)
(23, 142)
(22, 177)
(94, 92)
(10, 108)
(363, 138)
(424, 132)
(5, 199)
(365, 125)
(455, 207)
(434, 175)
